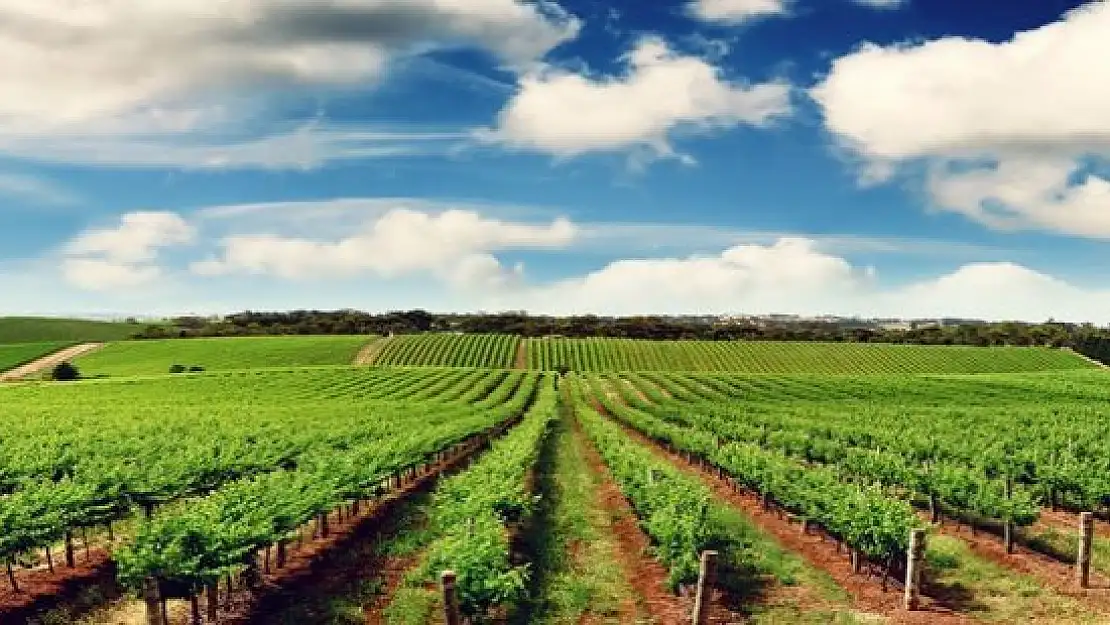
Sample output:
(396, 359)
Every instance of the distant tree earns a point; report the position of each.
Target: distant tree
(65, 372)
(177, 369)
(196, 369)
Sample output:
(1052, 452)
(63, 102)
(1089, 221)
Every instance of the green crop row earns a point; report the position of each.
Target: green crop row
(614, 355)
(450, 350)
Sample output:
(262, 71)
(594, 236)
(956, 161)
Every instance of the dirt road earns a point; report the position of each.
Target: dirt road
(47, 362)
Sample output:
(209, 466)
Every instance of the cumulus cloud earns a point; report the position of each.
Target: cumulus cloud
(788, 275)
(736, 11)
(1005, 128)
(126, 255)
(131, 68)
(568, 114)
(795, 276)
(457, 246)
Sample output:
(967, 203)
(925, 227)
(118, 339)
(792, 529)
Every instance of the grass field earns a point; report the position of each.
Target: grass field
(222, 354)
(594, 507)
(11, 356)
(39, 329)
(449, 350)
(599, 355)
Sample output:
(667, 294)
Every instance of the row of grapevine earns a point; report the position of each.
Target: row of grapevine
(471, 512)
(862, 516)
(614, 355)
(674, 508)
(1001, 460)
(101, 449)
(450, 350)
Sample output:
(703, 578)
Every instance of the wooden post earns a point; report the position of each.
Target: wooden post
(194, 609)
(213, 603)
(1083, 560)
(1008, 525)
(153, 601)
(450, 601)
(707, 578)
(915, 558)
(70, 560)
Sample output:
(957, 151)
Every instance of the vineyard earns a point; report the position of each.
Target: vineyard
(450, 350)
(11, 356)
(268, 489)
(132, 358)
(604, 355)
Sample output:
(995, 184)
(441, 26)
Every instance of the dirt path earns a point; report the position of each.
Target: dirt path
(49, 361)
(521, 361)
(369, 352)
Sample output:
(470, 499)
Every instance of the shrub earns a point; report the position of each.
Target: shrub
(177, 368)
(196, 369)
(65, 372)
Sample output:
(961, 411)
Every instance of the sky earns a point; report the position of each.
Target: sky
(875, 158)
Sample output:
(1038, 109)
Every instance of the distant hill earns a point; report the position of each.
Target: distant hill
(43, 330)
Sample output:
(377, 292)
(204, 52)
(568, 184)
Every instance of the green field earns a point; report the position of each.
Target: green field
(132, 358)
(449, 350)
(208, 475)
(601, 355)
(12, 356)
(40, 329)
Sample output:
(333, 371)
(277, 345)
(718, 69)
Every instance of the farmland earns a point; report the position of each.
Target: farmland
(40, 330)
(450, 350)
(599, 355)
(285, 484)
(131, 358)
(12, 356)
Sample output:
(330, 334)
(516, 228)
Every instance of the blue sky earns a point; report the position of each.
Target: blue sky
(870, 157)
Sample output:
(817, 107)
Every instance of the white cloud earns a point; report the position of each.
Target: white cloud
(126, 255)
(788, 275)
(737, 11)
(882, 4)
(568, 114)
(456, 246)
(1004, 127)
(35, 190)
(792, 275)
(130, 75)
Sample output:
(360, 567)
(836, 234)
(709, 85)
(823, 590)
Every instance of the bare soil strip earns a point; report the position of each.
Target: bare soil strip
(49, 361)
(369, 352)
(521, 355)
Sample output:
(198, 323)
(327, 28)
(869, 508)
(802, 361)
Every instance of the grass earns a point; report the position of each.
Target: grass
(41, 329)
(603, 354)
(577, 568)
(990, 592)
(133, 358)
(12, 356)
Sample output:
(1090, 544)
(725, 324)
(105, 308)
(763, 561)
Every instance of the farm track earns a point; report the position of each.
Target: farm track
(50, 360)
(306, 567)
(817, 550)
(369, 352)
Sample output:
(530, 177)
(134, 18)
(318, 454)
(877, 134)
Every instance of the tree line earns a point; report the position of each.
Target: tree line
(1085, 338)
